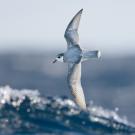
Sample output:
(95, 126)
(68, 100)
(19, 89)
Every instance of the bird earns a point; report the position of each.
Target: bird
(74, 56)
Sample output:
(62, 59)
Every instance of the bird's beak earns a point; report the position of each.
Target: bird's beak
(54, 61)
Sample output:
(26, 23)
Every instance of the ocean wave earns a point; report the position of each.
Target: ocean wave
(26, 111)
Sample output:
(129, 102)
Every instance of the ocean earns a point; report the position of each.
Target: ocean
(34, 97)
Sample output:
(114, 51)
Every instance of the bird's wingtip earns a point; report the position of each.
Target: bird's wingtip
(81, 10)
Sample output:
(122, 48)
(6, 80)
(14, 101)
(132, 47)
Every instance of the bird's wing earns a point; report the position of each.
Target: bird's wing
(74, 82)
(71, 33)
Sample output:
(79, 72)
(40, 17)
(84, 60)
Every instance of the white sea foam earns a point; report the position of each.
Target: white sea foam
(26, 105)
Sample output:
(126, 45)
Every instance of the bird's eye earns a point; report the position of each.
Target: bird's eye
(58, 56)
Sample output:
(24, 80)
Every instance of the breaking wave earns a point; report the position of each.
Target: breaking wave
(26, 111)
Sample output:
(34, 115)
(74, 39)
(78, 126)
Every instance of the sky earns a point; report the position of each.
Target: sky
(107, 25)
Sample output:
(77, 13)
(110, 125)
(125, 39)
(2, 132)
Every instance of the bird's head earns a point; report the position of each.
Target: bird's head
(59, 58)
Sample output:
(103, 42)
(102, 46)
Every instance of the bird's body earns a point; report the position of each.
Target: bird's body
(74, 56)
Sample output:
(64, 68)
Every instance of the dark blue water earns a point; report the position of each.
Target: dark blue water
(108, 85)
(25, 111)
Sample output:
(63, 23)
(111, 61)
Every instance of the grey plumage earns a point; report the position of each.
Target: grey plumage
(86, 55)
(71, 33)
(74, 56)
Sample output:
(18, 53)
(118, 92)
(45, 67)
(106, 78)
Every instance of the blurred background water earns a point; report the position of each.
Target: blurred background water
(31, 34)
(108, 82)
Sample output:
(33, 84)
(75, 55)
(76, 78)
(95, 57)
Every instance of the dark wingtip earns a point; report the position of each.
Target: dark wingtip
(81, 10)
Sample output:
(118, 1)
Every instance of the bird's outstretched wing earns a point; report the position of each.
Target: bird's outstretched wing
(74, 82)
(71, 33)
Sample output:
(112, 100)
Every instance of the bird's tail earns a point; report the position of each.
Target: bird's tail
(91, 54)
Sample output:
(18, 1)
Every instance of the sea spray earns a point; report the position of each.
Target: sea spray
(26, 111)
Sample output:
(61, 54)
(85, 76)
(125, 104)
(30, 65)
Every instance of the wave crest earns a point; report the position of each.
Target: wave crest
(25, 111)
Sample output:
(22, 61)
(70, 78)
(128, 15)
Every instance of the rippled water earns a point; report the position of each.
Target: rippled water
(27, 112)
